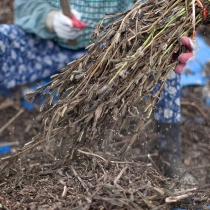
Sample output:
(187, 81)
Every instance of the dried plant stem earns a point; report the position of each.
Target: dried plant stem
(11, 120)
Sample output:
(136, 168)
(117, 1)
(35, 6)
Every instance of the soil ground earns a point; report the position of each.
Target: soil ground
(40, 182)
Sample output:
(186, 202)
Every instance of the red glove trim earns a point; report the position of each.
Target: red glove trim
(77, 23)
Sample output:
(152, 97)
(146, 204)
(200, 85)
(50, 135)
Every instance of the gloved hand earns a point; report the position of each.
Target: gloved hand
(186, 57)
(65, 27)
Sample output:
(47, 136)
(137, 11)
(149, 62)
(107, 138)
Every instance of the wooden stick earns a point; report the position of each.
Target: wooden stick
(66, 8)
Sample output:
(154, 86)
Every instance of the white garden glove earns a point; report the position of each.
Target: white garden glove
(65, 27)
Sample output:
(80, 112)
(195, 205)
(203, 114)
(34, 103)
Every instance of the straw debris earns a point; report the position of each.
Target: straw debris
(104, 95)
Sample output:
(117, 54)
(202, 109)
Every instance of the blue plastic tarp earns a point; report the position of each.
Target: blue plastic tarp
(194, 70)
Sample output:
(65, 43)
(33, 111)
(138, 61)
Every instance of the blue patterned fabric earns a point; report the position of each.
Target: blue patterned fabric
(25, 58)
(168, 107)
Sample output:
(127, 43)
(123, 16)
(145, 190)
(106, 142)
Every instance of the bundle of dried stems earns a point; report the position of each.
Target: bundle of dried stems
(109, 91)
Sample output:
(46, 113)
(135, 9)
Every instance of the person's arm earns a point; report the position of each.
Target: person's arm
(30, 15)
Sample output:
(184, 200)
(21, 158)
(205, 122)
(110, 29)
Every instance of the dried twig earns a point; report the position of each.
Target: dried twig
(79, 179)
(153, 163)
(64, 193)
(14, 143)
(11, 120)
(7, 103)
(92, 154)
(187, 103)
(120, 174)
